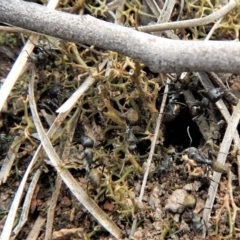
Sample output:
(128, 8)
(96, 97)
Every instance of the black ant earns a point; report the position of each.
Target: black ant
(213, 95)
(194, 154)
(93, 174)
(194, 219)
(199, 158)
(197, 108)
(207, 97)
(52, 96)
(88, 144)
(131, 140)
(166, 163)
(173, 107)
(43, 56)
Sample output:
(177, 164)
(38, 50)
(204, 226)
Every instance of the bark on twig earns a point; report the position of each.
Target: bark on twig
(160, 55)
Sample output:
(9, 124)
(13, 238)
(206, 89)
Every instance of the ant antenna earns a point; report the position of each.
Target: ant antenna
(189, 136)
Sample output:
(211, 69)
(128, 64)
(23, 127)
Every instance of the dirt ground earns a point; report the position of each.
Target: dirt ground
(107, 149)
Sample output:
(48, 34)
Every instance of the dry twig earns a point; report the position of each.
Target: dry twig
(222, 155)
(153, 144)
(154, 141)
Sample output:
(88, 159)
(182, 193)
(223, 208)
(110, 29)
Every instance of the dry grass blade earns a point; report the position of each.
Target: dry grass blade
(162, 16)
(37, 227)
(68, 105)
(154, 7)
(72, 184)
(65, 155)
(222, 155)
(49, 118)
(213, 28)
(20, 63)
(16, 70)
(166, 11)
(27, 203)
(224, 111)
(9, 159)
(51, 209)
(216, 177)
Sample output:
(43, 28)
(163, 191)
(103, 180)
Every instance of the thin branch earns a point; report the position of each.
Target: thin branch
(153, 144)
(16, 30)
(155, 137)
(193, 22)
